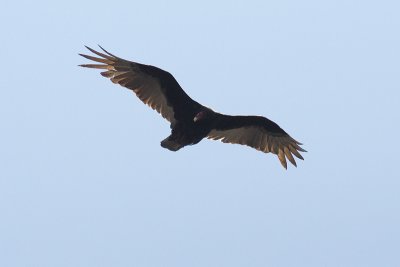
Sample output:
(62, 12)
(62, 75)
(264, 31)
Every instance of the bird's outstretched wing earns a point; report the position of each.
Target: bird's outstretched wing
(259, 133)
(155, 87)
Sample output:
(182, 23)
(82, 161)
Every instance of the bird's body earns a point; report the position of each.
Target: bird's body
(191, 121)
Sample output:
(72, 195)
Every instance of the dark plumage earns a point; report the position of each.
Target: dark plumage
(191, 121)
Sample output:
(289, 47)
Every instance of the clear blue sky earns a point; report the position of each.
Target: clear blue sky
(84, 181)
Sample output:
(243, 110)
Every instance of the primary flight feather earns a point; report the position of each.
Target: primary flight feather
(191, 121)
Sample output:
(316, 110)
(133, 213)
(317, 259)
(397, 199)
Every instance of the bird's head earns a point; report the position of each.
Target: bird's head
(201, 115)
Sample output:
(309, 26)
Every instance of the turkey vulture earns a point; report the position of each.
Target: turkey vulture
(191, 121)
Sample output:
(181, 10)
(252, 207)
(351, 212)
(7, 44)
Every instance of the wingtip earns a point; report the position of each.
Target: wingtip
(105, 51)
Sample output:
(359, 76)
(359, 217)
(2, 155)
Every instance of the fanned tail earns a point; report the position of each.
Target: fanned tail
(171, 144)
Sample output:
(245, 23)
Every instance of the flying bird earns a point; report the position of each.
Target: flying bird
(191, 121)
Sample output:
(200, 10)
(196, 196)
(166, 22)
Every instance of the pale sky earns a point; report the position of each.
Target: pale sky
(85, 182)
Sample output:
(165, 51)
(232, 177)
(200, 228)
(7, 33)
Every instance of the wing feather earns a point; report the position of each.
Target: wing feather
(153, 86)
(259, 133)
(289, 155)
(282, 158)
